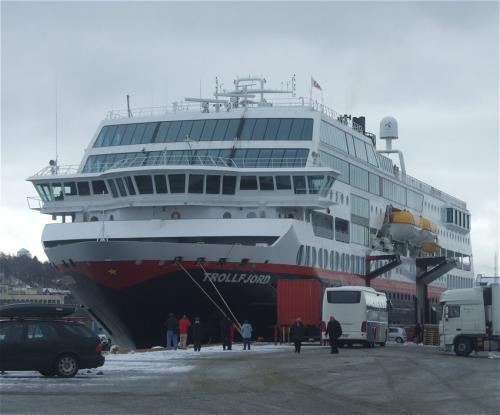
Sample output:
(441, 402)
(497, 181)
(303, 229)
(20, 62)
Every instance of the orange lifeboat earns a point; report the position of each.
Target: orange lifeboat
(401, 225)
(426, 233)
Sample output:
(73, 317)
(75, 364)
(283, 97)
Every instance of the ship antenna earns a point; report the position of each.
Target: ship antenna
(57, 110)
(129, 112)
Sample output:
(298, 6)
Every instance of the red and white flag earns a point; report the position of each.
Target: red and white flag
(315, 84)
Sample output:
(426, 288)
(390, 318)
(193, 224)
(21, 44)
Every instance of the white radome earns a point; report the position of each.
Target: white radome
(389, 128)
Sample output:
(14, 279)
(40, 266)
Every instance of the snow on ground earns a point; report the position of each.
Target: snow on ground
(176, 361)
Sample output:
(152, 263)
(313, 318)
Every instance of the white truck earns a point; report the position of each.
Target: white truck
(470, 320)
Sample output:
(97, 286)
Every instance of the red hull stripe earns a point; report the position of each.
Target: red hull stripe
(123, 274)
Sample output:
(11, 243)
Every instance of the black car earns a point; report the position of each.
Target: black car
(37, 338)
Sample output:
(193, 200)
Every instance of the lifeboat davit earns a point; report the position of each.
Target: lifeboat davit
(401, 225)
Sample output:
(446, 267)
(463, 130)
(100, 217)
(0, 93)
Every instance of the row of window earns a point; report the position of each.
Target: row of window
(206, 130)
(180, 183)
(458, 218)
(255, 157)
(348, 143)
(324, 226)
(369, 182)
(455, 281)
(310, 256)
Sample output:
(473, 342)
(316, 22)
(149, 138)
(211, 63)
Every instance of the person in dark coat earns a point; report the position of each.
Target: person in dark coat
(297, 333)
(334, 330)
(225, 325)
(197, 331)
(172, 325)
(418, 333)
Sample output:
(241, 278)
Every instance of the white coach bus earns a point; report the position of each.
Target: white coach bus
(361, 311)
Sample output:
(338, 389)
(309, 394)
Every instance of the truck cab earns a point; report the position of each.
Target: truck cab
(470, 319)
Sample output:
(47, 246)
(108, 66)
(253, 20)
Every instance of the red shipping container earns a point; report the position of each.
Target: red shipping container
(299, 298)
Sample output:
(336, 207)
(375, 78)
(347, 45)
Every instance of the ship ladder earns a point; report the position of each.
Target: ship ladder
(208, 295)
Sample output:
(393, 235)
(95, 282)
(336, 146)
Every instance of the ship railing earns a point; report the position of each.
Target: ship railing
(282, 103)
(58, 170)
(208, 161)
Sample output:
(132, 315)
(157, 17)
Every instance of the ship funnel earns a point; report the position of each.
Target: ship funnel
(388, 131)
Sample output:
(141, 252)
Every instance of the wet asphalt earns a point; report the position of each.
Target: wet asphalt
(397, 379)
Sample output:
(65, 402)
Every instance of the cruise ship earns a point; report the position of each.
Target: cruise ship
(200, 208)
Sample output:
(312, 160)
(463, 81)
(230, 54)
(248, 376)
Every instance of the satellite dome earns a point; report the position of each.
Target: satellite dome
(389, 128)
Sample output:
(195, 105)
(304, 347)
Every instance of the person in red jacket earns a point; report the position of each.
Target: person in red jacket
(184, 324)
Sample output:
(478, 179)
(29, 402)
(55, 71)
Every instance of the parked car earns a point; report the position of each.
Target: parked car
(397, 334)
(40, 340)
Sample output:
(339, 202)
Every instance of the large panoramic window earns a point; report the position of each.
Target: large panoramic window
(206, 130)
(144, 184)
(177, 183)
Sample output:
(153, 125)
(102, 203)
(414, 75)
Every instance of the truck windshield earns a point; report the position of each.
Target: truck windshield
(343, 297)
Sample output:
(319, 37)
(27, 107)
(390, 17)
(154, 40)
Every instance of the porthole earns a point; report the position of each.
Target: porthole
(251, 215)
(347, 200)
(94, 218)
(227, 215)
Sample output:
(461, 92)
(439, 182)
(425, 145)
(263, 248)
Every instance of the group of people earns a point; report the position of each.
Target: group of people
(333, 330)
(184, 325)
(227, 330)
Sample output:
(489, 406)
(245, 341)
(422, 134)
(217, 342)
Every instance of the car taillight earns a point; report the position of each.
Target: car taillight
(363, 327)
(98, 347)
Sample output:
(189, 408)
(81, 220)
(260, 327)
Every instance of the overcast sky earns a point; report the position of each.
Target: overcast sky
(433, 66)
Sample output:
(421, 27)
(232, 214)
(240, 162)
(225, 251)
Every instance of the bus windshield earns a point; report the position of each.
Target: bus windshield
(343, 297)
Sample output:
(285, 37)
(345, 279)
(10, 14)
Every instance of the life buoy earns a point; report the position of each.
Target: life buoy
(175, 215)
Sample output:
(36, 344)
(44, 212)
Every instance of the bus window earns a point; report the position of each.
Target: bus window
(344, 297)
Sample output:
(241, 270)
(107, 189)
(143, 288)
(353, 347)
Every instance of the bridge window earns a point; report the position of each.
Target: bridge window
(138, 133)
(228, 185)
(283, 183)
(195, 183)
(112, 186)
(70, 189)
(173, 131)
(248, 183)
(208, 130)
(130, 185)
(160, 183)
(213, 184)
(266, 182)
(57, 191)
(83, 188)
(99, 187)
(177, 183)
(314, 183)
(299, 185)
(121, 187)
(144, 184)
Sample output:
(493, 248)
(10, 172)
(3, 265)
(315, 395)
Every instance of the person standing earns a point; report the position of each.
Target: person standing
(334, 330)
(197, 330)
(184, 324)
(172, 325)
(231, 335)
(224, 332)
(418, 333)
(246, 334)
(297, 333)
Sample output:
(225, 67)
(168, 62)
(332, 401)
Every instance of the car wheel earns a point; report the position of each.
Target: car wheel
(463, 347)
(47, 373)
(399, 340)
(66, 366)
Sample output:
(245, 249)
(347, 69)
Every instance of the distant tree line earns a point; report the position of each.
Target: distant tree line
(29, 270)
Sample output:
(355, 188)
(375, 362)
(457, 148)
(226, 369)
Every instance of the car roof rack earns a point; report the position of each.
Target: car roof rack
(22, 310)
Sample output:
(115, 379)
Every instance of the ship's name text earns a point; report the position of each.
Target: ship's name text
(235, 277)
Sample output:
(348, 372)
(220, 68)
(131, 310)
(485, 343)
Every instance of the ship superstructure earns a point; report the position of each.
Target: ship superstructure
(229, 194)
